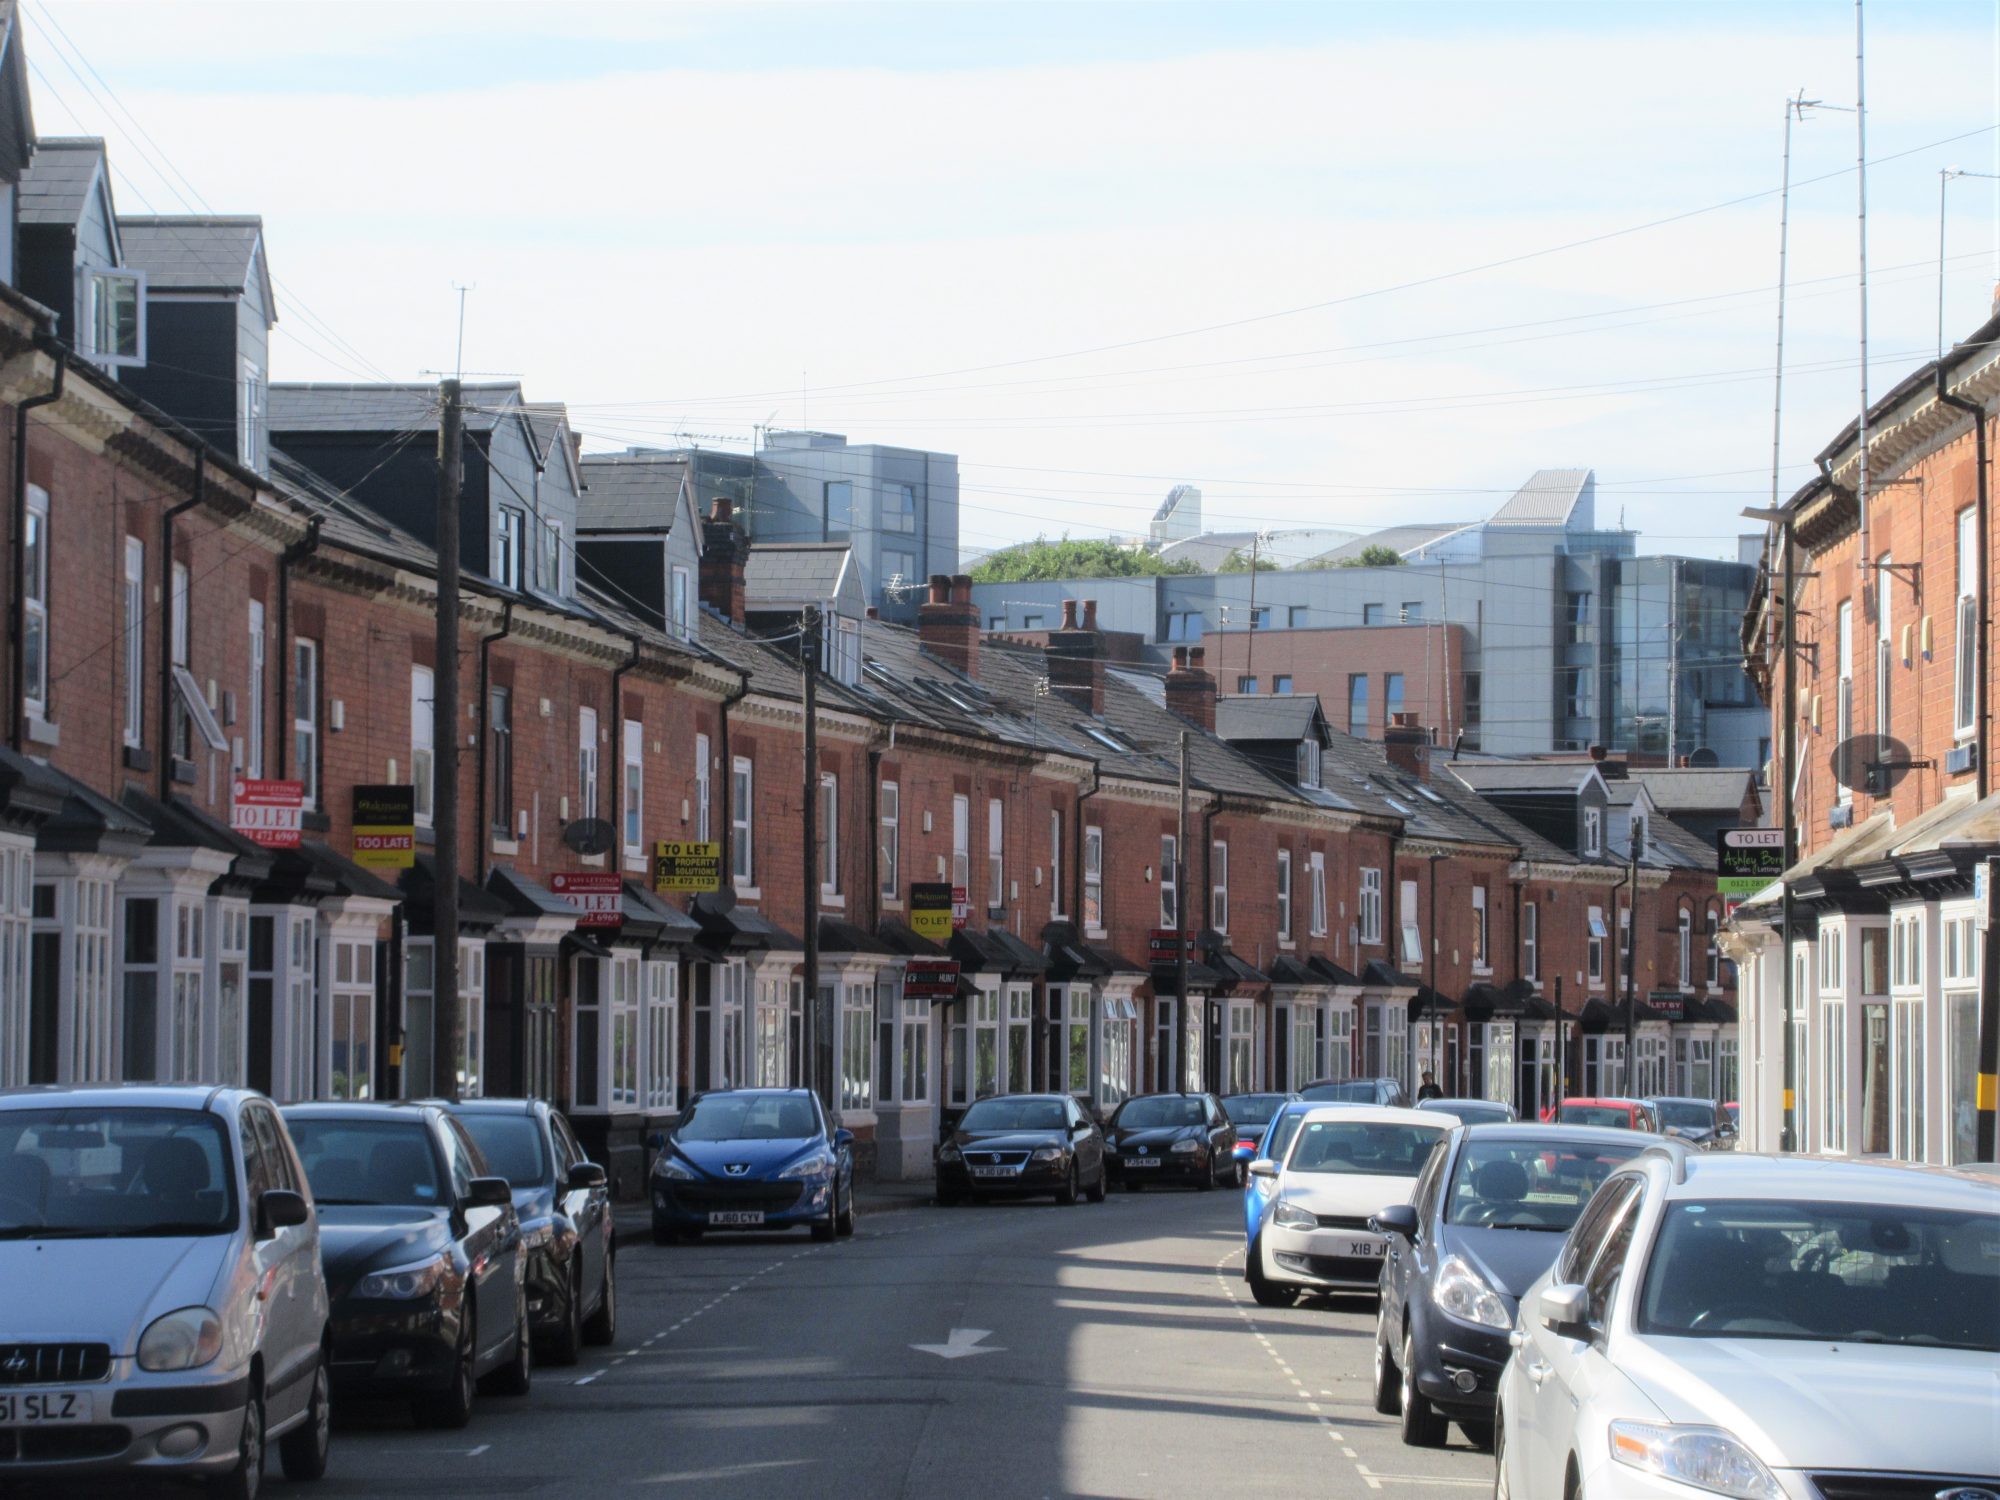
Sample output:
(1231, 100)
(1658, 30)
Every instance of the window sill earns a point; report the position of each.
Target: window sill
(314, 821)
(832, 900)
(591, 861)
(1484, 971)
(635, 864)
(506, 846)
(41, 731)
(138, 758)
(748, 893)
(1096, 934)
(890, 903)
(1287, 944)
(183, 771)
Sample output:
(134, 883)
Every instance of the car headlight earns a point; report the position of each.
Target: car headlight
(403, 1283)
(816, 1165)
(1048, 1153)
(1463, 1292)
(539, 1237)
(1182, 1147)
(185, 1339)
(1706, 1458)
(1291, 1216)
(674, 1169)
(948, 1153)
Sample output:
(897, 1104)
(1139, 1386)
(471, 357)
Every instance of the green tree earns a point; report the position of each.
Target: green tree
(1374, 555)
(1240, 561)
(1042, 560)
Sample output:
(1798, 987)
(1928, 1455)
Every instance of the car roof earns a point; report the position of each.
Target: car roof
(1836, 1179)
(201, 1096)
(1376, 1114)
(1556, 1135)
(751, 1089)
(361, 1109)
(990, 1098)
(1609, 1099)
(1680, 1099)
(1445, 1101)
(1161, 1094)
(487, 1106)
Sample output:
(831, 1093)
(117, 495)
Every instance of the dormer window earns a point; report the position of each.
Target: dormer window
(113, 320)
(1593, 830)
(1309, 752)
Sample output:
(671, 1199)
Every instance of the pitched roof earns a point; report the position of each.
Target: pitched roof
(58, 180)
(198, 253)
(1695, 788)
(630, 492)
(384, 407)
(789, 572)
(1551, 497)
(1282, 716)
(1553, 777)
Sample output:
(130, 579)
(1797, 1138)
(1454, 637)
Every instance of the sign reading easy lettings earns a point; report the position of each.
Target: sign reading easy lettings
(270, 813)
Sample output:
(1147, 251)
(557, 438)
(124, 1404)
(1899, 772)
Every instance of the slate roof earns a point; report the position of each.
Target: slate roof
(384, 407)
(58, 180)
(1553, 777)
(201, 253)
(630, 492)
(1695, 789)
(1549, 498)
(790, 572)
(1282, 716)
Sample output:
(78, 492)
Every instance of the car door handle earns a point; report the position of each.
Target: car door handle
(1517, 1338)
(1537, 1371)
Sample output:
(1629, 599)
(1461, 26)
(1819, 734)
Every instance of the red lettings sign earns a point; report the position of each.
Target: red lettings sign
(269, 813)
(598, 899)
(961, 905)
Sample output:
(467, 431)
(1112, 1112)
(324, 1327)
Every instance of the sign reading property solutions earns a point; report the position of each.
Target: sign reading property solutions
(681, 867)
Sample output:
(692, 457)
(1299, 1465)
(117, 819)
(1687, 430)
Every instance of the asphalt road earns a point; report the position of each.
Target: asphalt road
(1122, 1356)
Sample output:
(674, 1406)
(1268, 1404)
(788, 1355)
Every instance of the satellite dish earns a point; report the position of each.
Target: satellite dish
(588, 836)
(1871, 763)
(1704, 759)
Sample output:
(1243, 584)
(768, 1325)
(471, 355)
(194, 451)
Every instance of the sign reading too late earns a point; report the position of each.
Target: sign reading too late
(385, 827)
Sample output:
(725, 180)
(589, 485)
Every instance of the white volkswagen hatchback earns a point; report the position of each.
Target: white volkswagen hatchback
(1346, 1163)
(1766, 1328)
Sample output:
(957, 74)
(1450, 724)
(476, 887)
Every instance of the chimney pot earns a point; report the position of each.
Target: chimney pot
(961, 588)
(874, 613)
(1197, 657)
(940, 588)
(948, 625)
(1597, 752)
(1090, 614)
(1180, 658)
(1069, 614)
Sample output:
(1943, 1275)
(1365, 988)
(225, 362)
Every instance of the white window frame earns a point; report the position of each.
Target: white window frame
(552, 556)
(1843, 723)
(1284, 895)
(1317, 864)
(1594, 939)
(135, 641)
(1481, 958)
(253, 754)
(305, 717)
(423, 741)
(1530, 941)
(857, 1046)
(1832, 1069)
(1308, 758)
(250, 414)
(829, 836)
(996, 853)
(35, 603)
(1170, 892)
(961, 844)
(704, 819)
(1965, 641)
(1684, 946)
(1593, 830)
(91, 319)
(1412, 949)
(1712, 958)
(1368, 905)
(743, 792)
(506, 559)
(681, 602)
(1884, 646)
(1218, 888)
(661, 1035)
(586, 762)
(889, 839)
(1056, 882)
(1093, 879)
(17, 890)
(632, 807)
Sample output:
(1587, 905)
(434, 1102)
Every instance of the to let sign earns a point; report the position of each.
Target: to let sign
(599, 899)
(1748, 859)
(685, 867)
(268, 812)
(930, 979)
(931, 911)
(385, 827)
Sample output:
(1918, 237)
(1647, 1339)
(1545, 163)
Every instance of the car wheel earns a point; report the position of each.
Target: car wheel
(603, 1325)
(845, 1223)
(1423, 1425)
(1388, 1397)
(1205, 1183)
(566, 1343)
(453, 1409)
(1265, 1292)
(245, 1480)
(516, 1376)
(1501, 1488)
(303, 1450)
(1066, 1195)
(1099, 1187)
(1479, 1434)
(823, 1230)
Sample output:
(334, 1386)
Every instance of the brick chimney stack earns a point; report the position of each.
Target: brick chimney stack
(1076, 658)
(1408, 745)
(1190, 688)
(723, 551)
(948, 623)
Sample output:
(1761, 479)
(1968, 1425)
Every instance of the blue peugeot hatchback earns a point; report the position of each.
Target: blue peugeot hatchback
(753, 1159)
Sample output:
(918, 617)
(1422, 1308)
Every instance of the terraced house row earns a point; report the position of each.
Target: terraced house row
(214, 581)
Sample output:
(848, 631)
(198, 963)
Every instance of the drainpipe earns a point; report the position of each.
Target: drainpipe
(482, 821)
(1430, 966)
(1076, 872)
(297, 552)
(618, 739)
(1982, 710)
(19, 645)
(167, 632)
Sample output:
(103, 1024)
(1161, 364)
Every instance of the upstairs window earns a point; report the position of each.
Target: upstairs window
(423, 740)
(1093, 879)
(507, 547)
(829, 834)
(1531, 942)
(1284, 895)
(1357, 705)
(1170, 887)
(1309, 756)
(888, 841)
(250, 415)
(1965, 671)
(1392, 696)
(742, 785)
(114, 319)
(1593, 830)
(961, 842)
(135, 640)
(500, 738)
(1843, 724)
(899, 508)
(1318, 894)
(552, 557)
(1413, 937)
(1479, 928)
(634, 810)
(1218, 894)
(305, 717)
(1884, 647)
(1370, 904)
(586, 763)
(1055, 863)
(1246, 684)
(996, 857)
(839, 506)
(35, 603)
(1282, 683)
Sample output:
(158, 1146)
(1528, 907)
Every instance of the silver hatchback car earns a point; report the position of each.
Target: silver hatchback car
(165, 1312)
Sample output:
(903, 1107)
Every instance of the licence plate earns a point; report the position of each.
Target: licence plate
(722, 1218)
(1366, 1249)
(1142, 1161)
(995, 1171)
(43, 1408)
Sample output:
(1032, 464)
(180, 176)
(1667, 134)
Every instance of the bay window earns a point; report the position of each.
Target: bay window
(857, 1052)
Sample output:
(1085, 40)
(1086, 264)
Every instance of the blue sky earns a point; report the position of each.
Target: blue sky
(675, 216)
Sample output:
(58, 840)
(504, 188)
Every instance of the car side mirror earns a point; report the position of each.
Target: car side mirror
(1081, 1127)
(1263, 1166)
(279, 1208)
(843, 1139)
(584, 1175)
(1244, 1153)
(1398, 1219)
(490, 1192)
(1564, 1309)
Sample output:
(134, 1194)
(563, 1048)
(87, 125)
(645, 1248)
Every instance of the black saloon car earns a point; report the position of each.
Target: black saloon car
(564, 1206)
(1185, 1138)
(1021, 1146)
(1490, 1212)
(424, 1262)
(1699, 1122)
(1388, 1092)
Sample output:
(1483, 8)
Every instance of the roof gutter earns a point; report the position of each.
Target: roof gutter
(18, 645)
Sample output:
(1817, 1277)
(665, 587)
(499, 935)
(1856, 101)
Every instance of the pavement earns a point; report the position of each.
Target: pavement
(1007, 1350)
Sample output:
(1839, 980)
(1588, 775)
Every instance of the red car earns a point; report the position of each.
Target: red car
(1617, 1114)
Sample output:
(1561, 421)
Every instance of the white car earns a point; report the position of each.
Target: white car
(1766, 1328)
(1346, 1163)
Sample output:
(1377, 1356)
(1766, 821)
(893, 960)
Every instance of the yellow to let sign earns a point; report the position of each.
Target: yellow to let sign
(686, 867)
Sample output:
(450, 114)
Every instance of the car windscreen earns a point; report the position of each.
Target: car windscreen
(100, 1172)
(1145, 1114)
(1691, 1115)
(1355, 1091)
(1528, 1184)
(1282, 1133)
(748, 1117)
(1251, 1109)
(1872, 1273)
(1615, 1116)
(368, 1162)
(511, 1144)
(1468, 1111)
(1367, 1148)
(1013, 1114)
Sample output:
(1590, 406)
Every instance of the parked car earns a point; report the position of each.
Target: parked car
(1022, 1145)
(424, 1257)
(1275, 1142)
(1700, 1122)
(564, 1205)
(1387, 1092)
(1158, 1138)
(137, 1227)
(1761, 1326)
(1472, 1111)
(754, 1159)
(1250, 1114)
(1612, 1114)
(1489, 1215)
(1344, 1164)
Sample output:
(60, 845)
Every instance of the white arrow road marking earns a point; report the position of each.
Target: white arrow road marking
(961, 1342)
